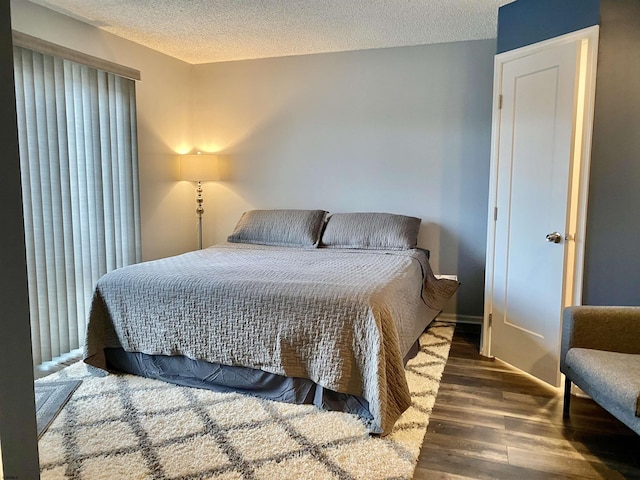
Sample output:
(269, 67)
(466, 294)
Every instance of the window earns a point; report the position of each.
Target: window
(78, 158)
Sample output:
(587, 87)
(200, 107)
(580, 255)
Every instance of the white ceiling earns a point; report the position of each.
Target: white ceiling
(204, 31)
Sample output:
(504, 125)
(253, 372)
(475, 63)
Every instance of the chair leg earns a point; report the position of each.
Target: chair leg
(567, 397)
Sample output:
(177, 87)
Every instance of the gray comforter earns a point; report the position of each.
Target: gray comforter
(341, 318)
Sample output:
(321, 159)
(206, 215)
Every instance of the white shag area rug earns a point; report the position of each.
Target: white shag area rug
(128, 427)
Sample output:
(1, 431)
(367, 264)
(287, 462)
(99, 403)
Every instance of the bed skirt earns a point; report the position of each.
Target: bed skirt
(188, 372)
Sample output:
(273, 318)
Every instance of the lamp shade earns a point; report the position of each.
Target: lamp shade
(199, 168)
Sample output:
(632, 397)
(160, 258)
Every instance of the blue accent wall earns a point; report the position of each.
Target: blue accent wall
(525, 22)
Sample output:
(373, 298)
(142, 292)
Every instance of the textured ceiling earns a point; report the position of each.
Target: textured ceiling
(204, 31)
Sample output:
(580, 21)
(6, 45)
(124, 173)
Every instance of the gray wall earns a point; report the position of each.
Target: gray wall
(612, 271)
(17, 418)
(405, 130)
(401, 130)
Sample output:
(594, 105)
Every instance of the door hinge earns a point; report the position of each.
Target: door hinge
(500, 102)
(490, 320)
(495, 214)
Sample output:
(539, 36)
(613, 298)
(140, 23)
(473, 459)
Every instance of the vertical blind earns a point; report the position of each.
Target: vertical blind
(78, 158)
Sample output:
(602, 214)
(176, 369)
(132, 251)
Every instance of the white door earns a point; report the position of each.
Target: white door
(535, 166)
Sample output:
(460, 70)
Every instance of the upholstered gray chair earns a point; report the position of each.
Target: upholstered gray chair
(600, 353)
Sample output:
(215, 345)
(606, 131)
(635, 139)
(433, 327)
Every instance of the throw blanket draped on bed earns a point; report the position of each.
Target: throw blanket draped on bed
(337, 317)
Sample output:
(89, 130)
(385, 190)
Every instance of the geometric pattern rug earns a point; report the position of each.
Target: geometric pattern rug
(128, 427)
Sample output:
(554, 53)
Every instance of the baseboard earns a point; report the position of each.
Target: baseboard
(457, 318)
(57, 364)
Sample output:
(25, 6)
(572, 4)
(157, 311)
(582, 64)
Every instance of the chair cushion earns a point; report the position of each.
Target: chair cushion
(615, 375)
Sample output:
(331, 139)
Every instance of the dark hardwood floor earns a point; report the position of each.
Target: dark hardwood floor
(491, 421)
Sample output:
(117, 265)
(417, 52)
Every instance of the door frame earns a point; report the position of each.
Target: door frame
(578, 176)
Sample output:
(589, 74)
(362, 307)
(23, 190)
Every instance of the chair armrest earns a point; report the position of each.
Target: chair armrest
(615, 329)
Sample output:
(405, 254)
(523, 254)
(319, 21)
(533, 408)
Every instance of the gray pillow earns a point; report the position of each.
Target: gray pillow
(376, 231)
(286, 228)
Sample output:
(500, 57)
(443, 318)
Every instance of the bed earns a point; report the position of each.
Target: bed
(293, 308)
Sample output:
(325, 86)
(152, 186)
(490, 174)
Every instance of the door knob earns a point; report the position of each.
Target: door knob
(554, 237)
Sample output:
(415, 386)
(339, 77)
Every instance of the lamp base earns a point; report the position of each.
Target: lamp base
(199, 211)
